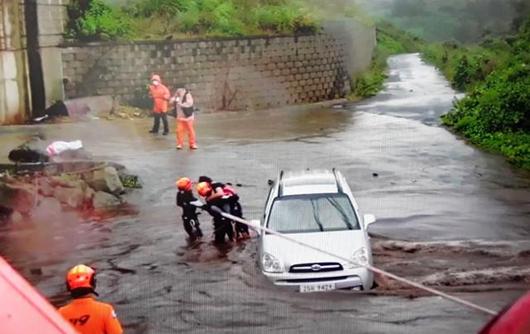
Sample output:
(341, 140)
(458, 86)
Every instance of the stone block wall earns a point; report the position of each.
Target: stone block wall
(224, 74)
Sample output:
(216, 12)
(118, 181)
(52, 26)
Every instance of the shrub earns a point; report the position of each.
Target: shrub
(158, 7)
(370, 83)
(463, 72)
(495, 114)
(157, 18)
(501, 103)
(100, 22)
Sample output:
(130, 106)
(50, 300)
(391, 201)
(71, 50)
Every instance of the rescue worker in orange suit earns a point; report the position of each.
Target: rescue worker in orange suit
(160, 95)
(185, 118)
(231, 203)
(222, 226)
(85, 313)
(189, 204)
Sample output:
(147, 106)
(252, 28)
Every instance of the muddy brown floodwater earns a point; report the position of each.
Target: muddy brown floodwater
(449, 215)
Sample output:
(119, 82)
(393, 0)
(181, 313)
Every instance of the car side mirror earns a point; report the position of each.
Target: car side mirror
(368, 219)
(270, 182)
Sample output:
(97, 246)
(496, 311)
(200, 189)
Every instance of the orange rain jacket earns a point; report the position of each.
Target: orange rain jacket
(160, 95)
(90, 316)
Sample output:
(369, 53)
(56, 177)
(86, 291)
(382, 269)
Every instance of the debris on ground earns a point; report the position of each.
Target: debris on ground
(59, 147)
(60, 176)
(33, 150)
(37, 150)
(126, 112)
(89, 108)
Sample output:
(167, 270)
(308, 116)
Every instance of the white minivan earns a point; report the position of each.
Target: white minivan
(315, 207)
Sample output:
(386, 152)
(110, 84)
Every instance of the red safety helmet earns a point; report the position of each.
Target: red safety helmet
(184, 183)
(204, 189)
(81, 276)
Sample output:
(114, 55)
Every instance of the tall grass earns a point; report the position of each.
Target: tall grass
(145, 19)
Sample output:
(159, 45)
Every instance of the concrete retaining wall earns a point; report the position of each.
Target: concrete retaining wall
(226, 74)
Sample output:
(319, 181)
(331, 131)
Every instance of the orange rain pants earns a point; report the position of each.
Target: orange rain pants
(185, 125)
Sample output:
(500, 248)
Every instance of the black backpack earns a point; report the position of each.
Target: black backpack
(188, 111)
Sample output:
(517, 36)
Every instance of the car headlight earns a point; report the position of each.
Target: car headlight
(360, 256)
(271, 264)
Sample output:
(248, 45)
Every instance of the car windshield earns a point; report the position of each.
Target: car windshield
(312, 213)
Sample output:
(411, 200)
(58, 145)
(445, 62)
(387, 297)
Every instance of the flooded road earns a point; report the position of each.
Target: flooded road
(448, 215)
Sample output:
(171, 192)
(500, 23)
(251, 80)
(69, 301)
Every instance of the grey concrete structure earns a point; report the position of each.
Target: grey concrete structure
(29, 57)
(14, 100)
(51, 22)
(225, 74)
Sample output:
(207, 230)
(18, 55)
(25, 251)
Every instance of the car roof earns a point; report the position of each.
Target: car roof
(308, 182)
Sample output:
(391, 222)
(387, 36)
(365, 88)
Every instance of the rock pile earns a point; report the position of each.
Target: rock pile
(96, 188)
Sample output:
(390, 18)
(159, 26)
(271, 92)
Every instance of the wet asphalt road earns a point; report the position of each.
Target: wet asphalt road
(429, 186)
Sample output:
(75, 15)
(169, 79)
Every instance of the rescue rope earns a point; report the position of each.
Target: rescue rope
(367, 266)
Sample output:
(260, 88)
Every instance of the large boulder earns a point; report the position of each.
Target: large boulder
(68, 181)
(73, 197)
(103, 200)
(18, 197)
(89, 195)
(44, 186)
(106, 179)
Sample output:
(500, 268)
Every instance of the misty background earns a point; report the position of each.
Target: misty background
(460, 20)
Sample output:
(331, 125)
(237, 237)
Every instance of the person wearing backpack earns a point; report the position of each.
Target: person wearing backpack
(183, 101)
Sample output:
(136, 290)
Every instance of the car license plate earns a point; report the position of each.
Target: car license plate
(317, 287)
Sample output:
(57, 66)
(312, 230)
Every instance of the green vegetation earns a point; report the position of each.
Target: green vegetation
(495, 74)
(158, 19)
(495, 114)
(336, 9)
(461, 20)
(390, 41)
(97, 21)
(465, 66)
